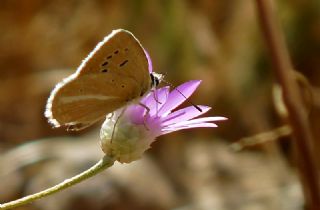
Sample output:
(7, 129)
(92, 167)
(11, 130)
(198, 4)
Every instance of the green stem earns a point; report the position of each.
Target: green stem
(104, 163)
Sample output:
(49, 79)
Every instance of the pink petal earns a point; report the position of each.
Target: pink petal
(156, 99)
(175, 98)
(184, 114)
(198, 120)
(199, 125)
(135, 113)
(149, 61)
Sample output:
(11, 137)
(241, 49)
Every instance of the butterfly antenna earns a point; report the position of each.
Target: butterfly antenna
(190, 102)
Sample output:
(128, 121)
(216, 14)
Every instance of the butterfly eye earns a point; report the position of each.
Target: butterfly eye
(155, 79)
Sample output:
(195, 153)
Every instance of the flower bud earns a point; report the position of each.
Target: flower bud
(123, 139)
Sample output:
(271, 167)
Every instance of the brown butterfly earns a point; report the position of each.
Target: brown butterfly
(113, 75)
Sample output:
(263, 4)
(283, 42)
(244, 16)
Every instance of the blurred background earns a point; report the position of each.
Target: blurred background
(219, 42)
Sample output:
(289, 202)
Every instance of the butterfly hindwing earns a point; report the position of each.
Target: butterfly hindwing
(89, 98)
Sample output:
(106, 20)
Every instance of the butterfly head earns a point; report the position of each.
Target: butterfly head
(155, 79)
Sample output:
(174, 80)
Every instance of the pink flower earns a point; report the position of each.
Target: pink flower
(137, 127)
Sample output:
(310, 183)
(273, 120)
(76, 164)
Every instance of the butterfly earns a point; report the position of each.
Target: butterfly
(116, 73)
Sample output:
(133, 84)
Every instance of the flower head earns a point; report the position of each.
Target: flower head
(128, 133)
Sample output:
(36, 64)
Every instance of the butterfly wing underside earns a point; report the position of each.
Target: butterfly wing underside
(114, 74)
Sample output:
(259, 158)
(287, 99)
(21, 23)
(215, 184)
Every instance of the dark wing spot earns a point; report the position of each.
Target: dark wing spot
(123, 63)
(80, 90)
(112, 80)
(126, 49)
(110, 56)
(116, 52)
(104, 70)
(122, 86)
(105, 63)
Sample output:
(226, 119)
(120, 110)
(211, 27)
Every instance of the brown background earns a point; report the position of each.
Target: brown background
(218, 42)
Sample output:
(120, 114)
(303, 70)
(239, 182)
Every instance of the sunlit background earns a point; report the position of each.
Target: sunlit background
(218, 42)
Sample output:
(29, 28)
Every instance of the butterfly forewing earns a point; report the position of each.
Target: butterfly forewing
(119, 53)
(114, 74)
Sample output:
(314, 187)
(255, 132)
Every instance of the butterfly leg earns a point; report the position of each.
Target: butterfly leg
(116, 122)
(77, 127)
(155, 96)
(145, 115)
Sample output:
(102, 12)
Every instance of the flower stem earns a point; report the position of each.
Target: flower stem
(298, 119)
(104, 163)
